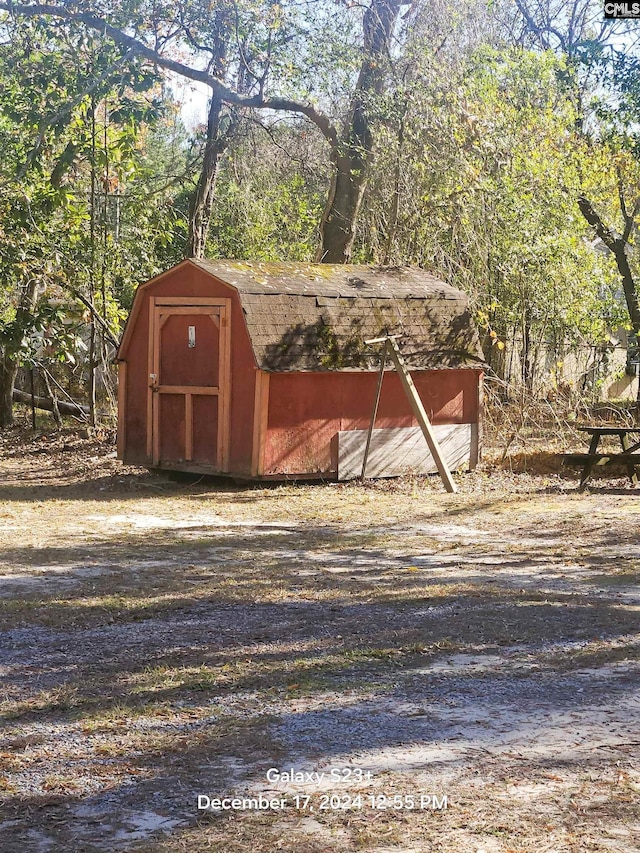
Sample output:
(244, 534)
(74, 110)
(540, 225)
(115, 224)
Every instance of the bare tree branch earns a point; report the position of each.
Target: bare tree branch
(88, 303)
(93, 22)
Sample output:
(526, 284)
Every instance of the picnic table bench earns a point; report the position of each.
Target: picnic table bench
(627, 456)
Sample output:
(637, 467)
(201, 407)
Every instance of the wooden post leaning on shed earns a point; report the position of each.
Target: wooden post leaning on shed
(383, 363)
(391, 347)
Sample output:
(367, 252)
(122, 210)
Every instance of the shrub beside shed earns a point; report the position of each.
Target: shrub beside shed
(260, 370)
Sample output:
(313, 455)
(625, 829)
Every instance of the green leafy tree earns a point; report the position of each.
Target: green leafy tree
(72, 114)
(488, 171)
(601, 77)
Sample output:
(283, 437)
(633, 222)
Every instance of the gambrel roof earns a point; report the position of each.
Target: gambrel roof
(317, 316)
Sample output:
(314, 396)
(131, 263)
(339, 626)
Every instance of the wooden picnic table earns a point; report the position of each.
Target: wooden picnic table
(627, 456)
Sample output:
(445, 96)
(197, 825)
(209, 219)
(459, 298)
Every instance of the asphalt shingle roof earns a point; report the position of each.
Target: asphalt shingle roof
(310, 317)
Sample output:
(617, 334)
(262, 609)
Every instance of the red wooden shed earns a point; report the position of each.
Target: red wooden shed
(260, 370)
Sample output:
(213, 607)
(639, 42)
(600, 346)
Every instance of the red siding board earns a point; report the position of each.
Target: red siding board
(306, 410)
(135, 450)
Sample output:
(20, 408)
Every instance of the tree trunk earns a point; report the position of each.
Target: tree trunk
(395, 202)
(345, 199)
(617, 246)
(353, 154)
(91, 378)
(202, 203)
(628, 285)
(527, 361)
(8, 370)
(9, 353)
(51, 404)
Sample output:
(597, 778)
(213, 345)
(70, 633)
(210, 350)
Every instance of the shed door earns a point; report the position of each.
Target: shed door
(189, 383)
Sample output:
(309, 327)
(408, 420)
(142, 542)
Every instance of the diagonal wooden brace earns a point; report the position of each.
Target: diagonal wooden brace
(392, 349)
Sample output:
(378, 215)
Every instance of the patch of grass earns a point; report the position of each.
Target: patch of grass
(177, 678)
(88, 611)
(64, 698)
(119, 716)
(10, 762)
(60, 784)
(368, 653)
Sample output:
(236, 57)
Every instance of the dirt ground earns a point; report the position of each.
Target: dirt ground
(460, 672)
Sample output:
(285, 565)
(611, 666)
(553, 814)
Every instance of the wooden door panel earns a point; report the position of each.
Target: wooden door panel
(189, 350)
(189, 379)
(205, 438)
(171, 426)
